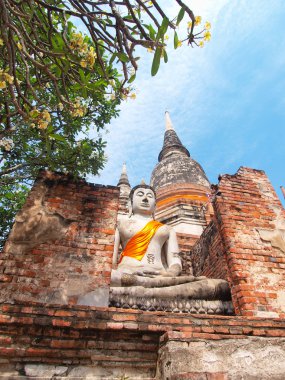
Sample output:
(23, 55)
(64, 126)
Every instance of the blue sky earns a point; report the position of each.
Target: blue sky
(226, 100)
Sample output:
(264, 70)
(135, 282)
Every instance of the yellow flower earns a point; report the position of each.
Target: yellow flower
(2, 84)
(46, 115)
(189, 24)
(150, 50)
(198, 20)
(41, 119)
(133, 96)
(91, 56)
(83, 63)
(83, 48)
(166, 37)
(78, 109)
(78, 112)
(76, 41)
(207, 25)
(81, 112)
(7, 144)
(1, 42)
(9, 78)
(42, 124)
(60, 106)
(179, 43)
(207, 36)
(34, 113)
(150, 3)
(201, 44)
(20, 47)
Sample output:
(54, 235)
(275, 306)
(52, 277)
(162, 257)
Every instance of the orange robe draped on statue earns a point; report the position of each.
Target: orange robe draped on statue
(137, 246)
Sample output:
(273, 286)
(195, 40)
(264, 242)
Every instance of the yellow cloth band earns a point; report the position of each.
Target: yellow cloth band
(137, 246)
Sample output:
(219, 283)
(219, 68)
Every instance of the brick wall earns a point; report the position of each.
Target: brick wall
(208, 254)
(185, 243)
(251, 222)
(61, 245)
(117, 341)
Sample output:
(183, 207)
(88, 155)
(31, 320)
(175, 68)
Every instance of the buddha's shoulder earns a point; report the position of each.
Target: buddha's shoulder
(124, 222)
(164, 229)
(128, 222)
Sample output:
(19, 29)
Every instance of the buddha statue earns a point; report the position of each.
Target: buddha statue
(149, 267)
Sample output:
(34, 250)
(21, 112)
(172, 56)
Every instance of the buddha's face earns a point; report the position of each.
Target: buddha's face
(143, 201)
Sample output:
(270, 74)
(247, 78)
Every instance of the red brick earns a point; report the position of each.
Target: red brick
(7, 351)
(61, 322)
(5, 319)
(5, 340)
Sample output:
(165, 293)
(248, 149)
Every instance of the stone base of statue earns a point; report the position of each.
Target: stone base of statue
(175, 306)
(206, 296)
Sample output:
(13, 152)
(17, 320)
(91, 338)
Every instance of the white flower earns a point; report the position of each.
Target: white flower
(6, 143)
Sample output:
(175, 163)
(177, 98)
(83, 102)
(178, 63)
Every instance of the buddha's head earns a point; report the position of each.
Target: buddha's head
(142, 199)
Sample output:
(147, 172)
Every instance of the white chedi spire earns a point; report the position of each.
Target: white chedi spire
(124, 168)
(124, 180)
(168, 122)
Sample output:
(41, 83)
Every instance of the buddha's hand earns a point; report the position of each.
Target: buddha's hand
(148, 273)
(173, 271)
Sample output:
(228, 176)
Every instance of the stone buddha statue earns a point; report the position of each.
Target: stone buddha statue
(149, 267)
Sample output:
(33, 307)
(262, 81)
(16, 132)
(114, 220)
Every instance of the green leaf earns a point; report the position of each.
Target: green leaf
(82, 75)
(152, 32)
(66, 66)
(163, 28)
(56, 70)
(49, 129)
(165, 56)
(180, 15)
(139, 12)
(175, 40)
(84, 92)
(123, 57)
(164, 24)
(112, 58)
(132, 78)
(69, 27)
(57, 137)
(156, 61)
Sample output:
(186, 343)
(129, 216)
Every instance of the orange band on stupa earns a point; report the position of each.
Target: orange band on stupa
(193, 197)
(138, 244)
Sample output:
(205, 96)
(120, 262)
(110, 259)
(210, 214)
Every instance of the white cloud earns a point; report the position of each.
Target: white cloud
(206, 91)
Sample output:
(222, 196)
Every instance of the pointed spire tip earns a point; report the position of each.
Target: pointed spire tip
(124, 176)
(124, 168)
(168, 123)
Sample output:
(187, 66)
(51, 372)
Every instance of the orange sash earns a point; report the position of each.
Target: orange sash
(137, 246)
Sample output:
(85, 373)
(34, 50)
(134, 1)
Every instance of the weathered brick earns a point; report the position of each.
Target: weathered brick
(93, 211)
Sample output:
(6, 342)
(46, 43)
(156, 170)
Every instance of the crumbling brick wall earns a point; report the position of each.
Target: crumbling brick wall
(39, 339)
(251, 222)
(61, 245)
(245, 243)
(185, 243)
(208, 255)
